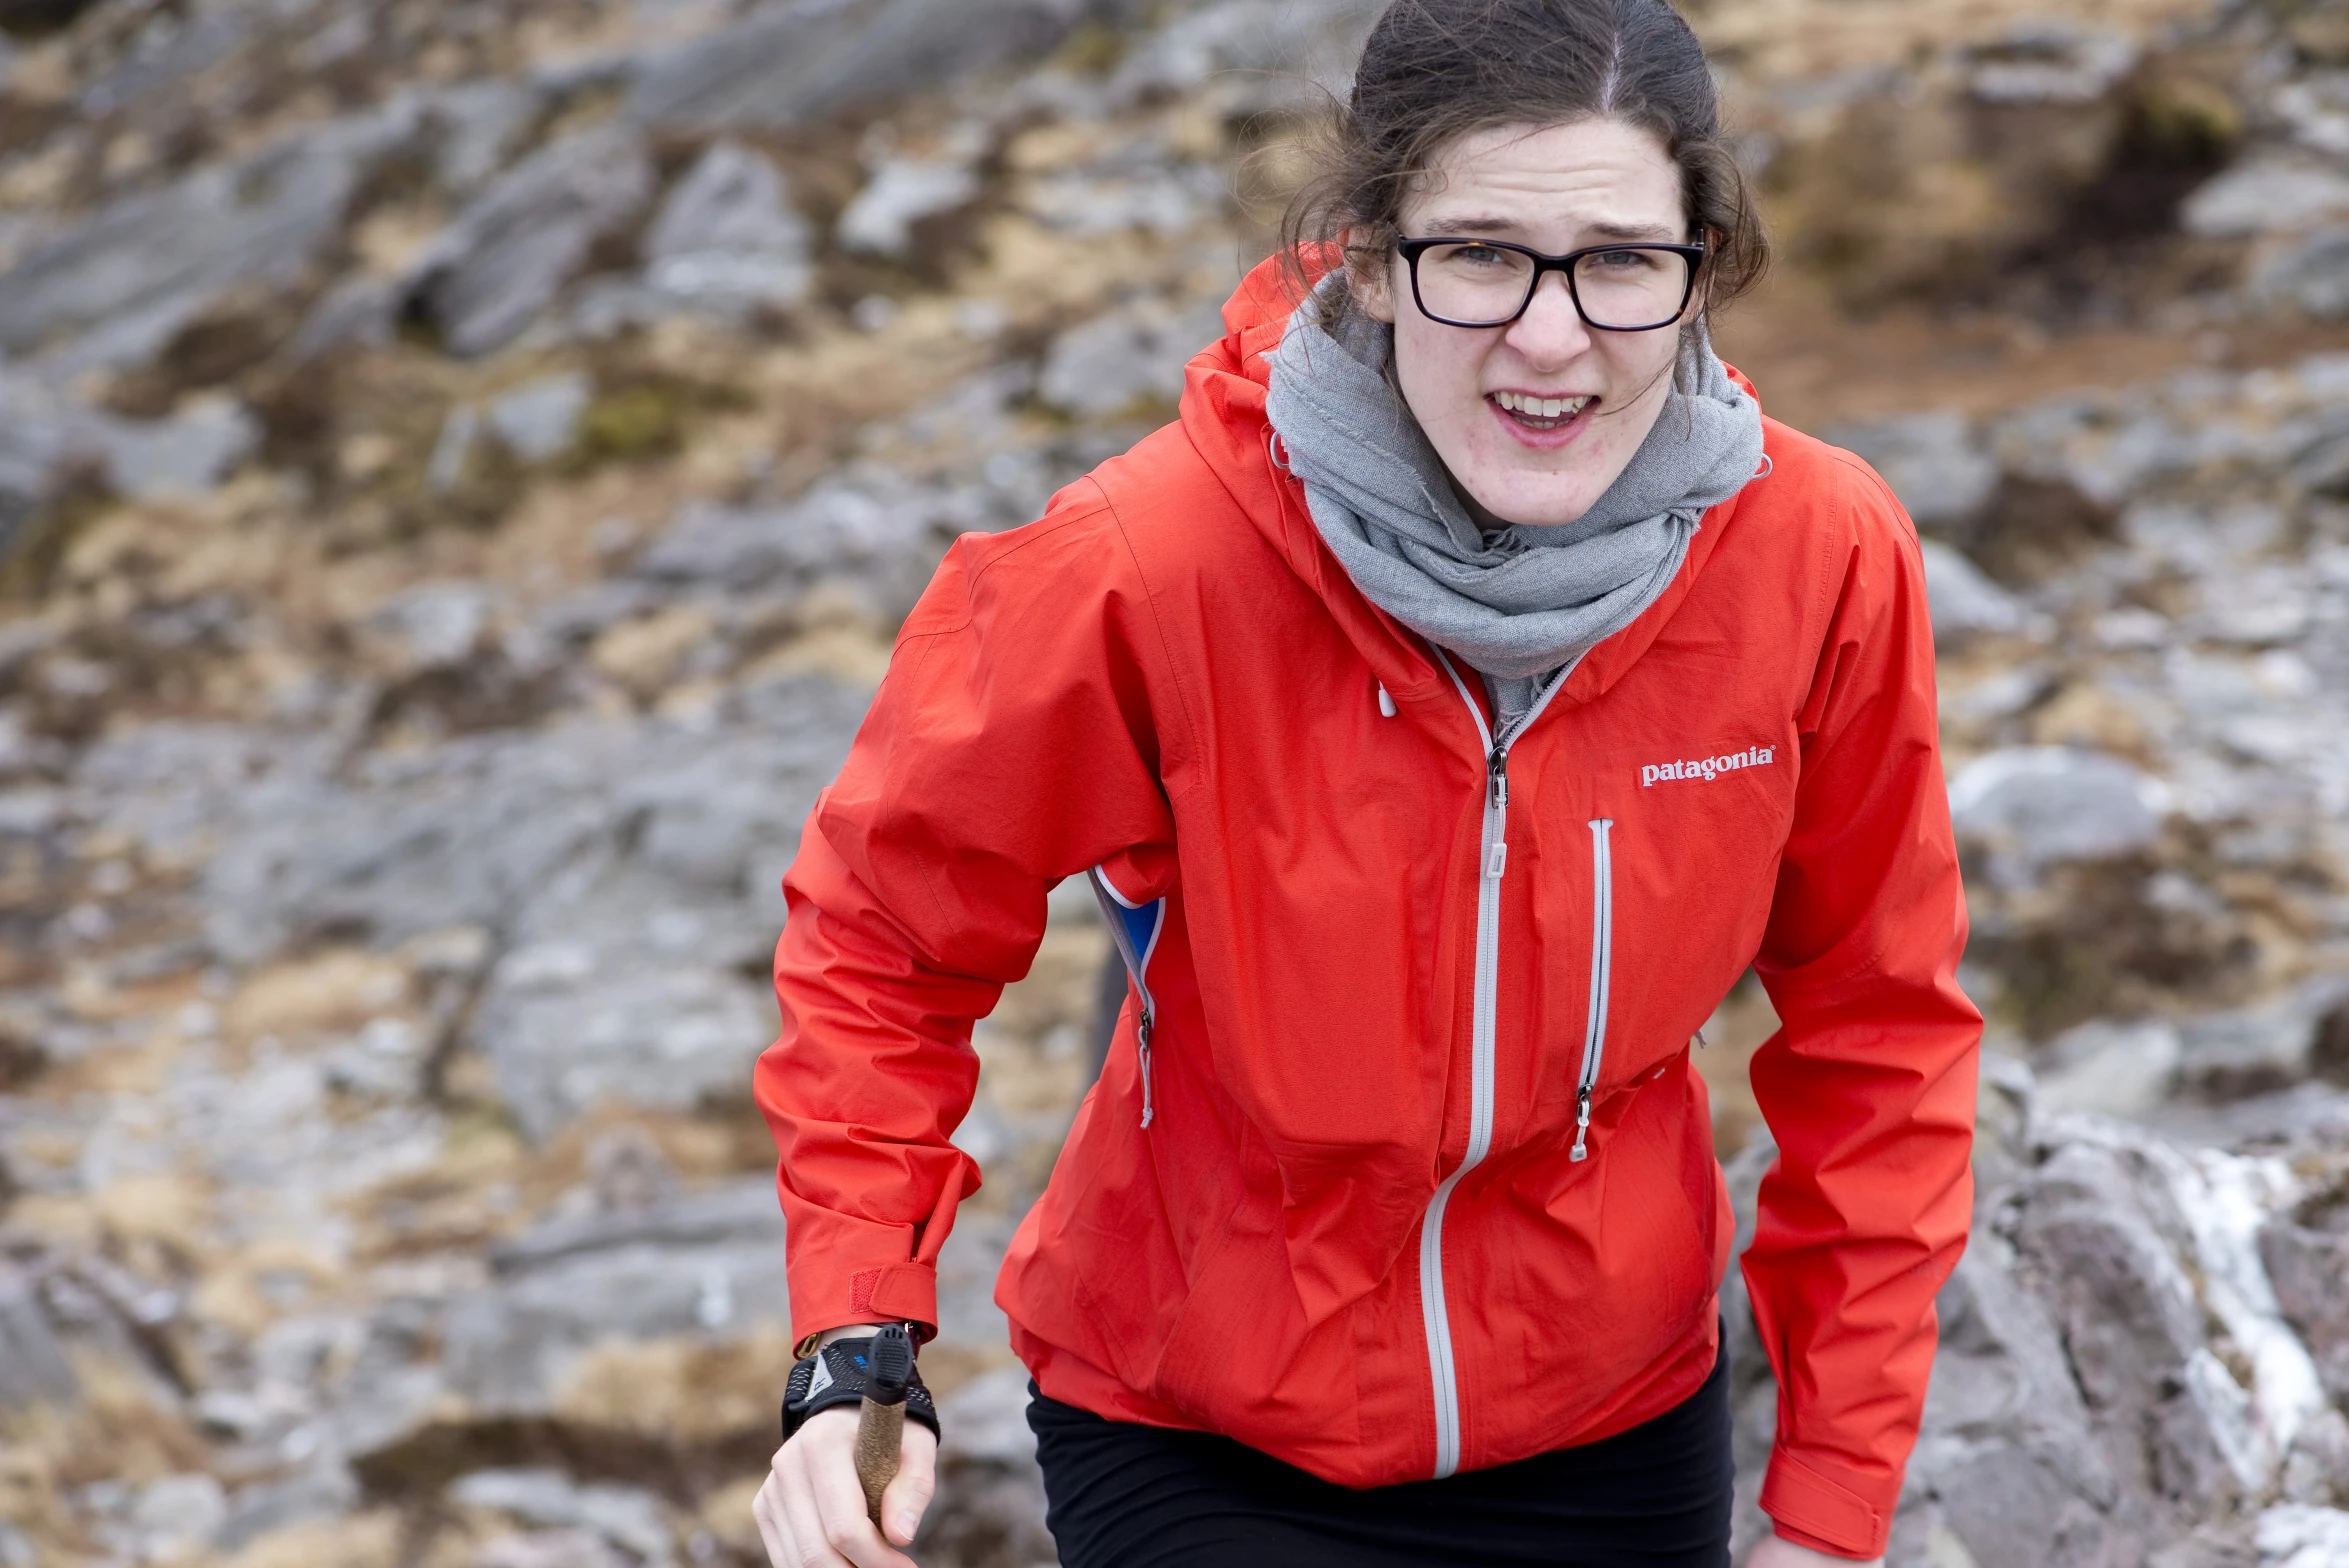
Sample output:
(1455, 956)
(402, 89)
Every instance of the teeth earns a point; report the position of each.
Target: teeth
(1541, 407)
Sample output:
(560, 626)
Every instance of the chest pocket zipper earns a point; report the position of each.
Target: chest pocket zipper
(1135, 929)
(1602, 967)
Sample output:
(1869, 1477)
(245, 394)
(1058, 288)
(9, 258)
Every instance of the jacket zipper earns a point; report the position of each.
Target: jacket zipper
(1492, 865)
(1602, 970)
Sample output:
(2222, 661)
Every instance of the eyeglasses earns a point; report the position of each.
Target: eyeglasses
(1489, 283)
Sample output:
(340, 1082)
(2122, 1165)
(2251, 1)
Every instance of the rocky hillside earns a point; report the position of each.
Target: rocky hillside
(462, 463)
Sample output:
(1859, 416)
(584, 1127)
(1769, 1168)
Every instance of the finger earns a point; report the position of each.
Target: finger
(803, 1526)
(766, 1512)
(840, 1505)
(802, 1512)
(908, 1496)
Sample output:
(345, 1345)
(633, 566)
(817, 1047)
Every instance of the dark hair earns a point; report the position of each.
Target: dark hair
(1433, 71)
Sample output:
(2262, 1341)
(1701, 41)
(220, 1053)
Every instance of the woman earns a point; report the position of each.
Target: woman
(1448, 707)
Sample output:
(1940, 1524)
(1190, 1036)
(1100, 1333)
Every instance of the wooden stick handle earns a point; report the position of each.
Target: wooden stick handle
(880, 1438)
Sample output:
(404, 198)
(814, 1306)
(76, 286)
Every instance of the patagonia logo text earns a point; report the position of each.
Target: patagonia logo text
(1705, 767)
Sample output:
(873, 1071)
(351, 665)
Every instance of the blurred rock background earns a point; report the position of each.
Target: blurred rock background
(462, 463)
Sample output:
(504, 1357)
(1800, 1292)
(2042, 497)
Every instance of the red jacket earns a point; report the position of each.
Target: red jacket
(1425, 1179)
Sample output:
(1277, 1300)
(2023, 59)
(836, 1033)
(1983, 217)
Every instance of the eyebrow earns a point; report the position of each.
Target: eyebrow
(1505, 226)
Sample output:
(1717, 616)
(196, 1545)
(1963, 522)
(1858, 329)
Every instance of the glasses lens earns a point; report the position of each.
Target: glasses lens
(1473, 284)
(1631, 288)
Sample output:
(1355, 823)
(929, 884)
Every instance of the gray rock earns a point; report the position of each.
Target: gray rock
(626, 1517)
(728, 237)
(2052, 63)
(2253, 1051)
(2006, 1461)
(869, 525)
(178, 1515)
(2317, 1469)
(37, 444)
(359, 311)
(2115, 1069)
(459, 838)
(630, 871)
(2294, 1535)
(2309, 1268)
(432, 626)
(168, 58)
(452, 447)
(510, 1349)
(132, 275)
(25, 756)
(744, 1212)
(533, 229)
(2312, 274)
(1167, 202)
(183, 455)
(2105, 1238)
(2001, 695)
(2082, 1411)
(2151, 1259)
(705, 1267)
(792, 63)
(2264, 196)
(2105, 453)
(1935, 462)
(539, 419)
(550, 1549)
(2037, 805)
(901, 193)
(170, 787)
(573, 1024)
(1964, 601)
(33, 1364)
(1255, 58)
(626, 978)
(1132, 356)
(479, 126)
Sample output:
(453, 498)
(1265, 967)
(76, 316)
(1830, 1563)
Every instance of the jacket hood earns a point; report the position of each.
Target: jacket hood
(1223, 414)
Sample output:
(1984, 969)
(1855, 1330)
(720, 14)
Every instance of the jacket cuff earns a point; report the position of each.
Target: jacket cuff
(1811, 1508)
(891, 1293)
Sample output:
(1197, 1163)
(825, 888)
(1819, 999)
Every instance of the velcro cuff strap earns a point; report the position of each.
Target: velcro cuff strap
(1822, 1511)
(838, 1375)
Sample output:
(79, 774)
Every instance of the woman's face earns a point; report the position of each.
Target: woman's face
(1555, 188)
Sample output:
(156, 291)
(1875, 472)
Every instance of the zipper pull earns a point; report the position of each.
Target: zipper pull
(1497, 793)
(1581, 1149)
(1142, 1032)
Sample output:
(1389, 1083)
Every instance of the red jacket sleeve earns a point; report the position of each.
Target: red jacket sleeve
(1869, 1083)
(1011, 745)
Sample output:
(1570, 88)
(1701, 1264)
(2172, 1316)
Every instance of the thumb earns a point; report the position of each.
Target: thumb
(908, 1496)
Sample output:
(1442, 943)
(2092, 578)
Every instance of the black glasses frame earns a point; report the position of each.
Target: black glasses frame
(1412, 250)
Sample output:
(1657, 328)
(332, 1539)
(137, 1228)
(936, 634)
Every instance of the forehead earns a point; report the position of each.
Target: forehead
(1549, 181)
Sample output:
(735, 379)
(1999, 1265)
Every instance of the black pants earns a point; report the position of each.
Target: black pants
(1122, 1495)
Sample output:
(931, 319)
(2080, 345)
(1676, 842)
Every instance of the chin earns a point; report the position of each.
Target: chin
(1540, 501)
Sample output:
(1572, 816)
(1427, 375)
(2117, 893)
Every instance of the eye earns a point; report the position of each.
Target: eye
(1478, 256)
(1624, 260)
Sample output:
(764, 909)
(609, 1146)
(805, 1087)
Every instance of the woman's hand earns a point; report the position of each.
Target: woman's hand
(811, 1512)
(1778, 1552)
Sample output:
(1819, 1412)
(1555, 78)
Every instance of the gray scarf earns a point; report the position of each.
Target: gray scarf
(1526, 600)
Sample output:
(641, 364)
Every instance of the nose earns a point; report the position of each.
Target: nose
(1551, 331)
